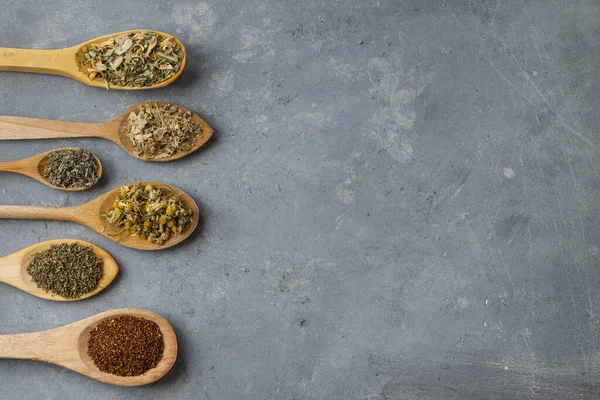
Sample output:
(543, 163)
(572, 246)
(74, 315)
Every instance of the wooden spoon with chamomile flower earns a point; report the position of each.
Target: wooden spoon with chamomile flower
(93, 215)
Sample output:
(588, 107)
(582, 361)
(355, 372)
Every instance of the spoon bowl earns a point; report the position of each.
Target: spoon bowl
(67, 62)
(101, 225)
(13, 270)
(79, 57)
(127, 144)
(21, 128)
(33, 167)
(67, 346)
(92, 215)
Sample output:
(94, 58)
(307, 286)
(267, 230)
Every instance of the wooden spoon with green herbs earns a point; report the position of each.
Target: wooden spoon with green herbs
(130, 60)
(140, 121)
(14, 270)
(64, 169)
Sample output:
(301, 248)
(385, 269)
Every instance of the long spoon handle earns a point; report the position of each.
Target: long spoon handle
(27, 166)
(29, 346)
(17, 128)
(54, 62)
(10, 269)
(48, 213)
(54, 345)
(29, 60)
(11, 166)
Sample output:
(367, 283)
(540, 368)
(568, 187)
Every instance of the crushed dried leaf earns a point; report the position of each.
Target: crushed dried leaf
(161, 131)
(132, 60)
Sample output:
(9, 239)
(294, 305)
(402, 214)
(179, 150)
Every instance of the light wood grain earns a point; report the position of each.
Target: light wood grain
(13, 269)
(22, 128)
(64, 62)
(92, 215)
(33, 167)
(67, 346)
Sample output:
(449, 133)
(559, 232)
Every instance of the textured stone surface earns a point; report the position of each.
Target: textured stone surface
(400, 201)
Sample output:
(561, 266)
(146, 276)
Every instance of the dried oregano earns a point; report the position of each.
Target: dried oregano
(68, 270)
(161, 131)
(70, 168)
(133, 59)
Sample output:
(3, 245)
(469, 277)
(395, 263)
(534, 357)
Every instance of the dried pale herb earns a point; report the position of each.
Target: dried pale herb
(133, 59)
(161, 131)
(126, 346)
(69, 270)
(150, 213)
(70, 168)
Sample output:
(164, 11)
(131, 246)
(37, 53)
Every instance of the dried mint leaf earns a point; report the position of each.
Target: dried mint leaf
(68, 270)
(71, 168)
(132, 59)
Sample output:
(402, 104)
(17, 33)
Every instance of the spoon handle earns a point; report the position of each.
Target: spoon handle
(10, 269)
(53, 62)
(26, 166)
(27, 346)
(10, 166)
(53, 346)
(18, 128)
(31, 212)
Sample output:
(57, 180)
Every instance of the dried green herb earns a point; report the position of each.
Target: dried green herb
(150, 213)
(133, 60)
(126, 346)
(68, 270)
(161, 131)
(71, 168)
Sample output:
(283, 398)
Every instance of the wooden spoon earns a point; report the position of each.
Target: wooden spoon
(67, 346)
(65, 62)
(34, 166)
(18, 128)
(92, 215)
(13, 270)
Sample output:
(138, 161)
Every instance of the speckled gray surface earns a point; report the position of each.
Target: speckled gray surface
(400, 201)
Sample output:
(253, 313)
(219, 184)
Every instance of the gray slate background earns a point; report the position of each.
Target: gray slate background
(400, 201)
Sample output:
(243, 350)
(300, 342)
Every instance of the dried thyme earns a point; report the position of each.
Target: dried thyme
(126, 346)
(71, 168)
(150, 213)
(161, 131)
(133, 59)
(68, 270)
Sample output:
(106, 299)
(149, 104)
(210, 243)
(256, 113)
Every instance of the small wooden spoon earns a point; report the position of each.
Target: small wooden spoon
(65, 62)
(19, 128)
(13, 270)
(92, 215)
(67, 346)
(34, 166)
